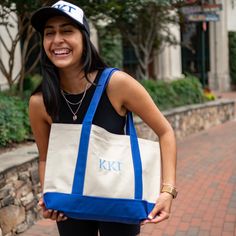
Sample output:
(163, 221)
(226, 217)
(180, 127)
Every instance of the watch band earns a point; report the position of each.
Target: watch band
(169, 189)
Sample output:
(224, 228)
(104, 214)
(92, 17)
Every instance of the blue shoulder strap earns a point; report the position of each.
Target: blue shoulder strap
(102, 83)
(79, 175)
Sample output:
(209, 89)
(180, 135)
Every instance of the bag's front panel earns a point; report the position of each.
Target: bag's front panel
(109, 170)
(151, 168)
(109, 174)
(61, 157)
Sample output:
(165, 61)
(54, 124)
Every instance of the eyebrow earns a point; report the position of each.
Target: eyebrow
(60, 26)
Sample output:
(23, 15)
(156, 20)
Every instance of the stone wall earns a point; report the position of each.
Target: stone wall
(19, 194)
(19, 181)
(191, 119)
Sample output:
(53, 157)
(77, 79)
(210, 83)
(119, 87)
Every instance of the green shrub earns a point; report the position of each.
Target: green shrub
(31, 83)
(232, 56)
(188, 91)
(110, 45)
(14, 122)
(161, 92)
(175, 93)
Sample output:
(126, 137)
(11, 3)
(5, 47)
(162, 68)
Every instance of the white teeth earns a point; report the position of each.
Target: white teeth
(61, 51)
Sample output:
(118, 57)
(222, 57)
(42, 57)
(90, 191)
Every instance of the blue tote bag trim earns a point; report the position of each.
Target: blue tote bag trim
(136, 157)
(103, 209)
(79, 176)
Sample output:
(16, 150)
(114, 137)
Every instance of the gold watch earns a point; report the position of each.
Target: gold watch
(169, 189)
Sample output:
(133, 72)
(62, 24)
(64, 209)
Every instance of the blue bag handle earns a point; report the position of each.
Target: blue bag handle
(79, 175)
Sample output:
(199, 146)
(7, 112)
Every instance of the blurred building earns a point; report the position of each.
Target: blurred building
(204, 45)
(203, 52)
(205, 49)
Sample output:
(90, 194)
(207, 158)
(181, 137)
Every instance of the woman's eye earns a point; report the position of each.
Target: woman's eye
(48, 33)
(67, 31)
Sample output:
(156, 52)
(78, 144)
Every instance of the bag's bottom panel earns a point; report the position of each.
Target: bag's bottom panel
(97, 208)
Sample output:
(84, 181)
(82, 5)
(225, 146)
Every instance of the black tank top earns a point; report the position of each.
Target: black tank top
(105, 116)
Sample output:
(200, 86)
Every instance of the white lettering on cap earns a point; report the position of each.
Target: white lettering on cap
(71, 9)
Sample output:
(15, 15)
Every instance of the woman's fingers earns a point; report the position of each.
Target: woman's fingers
(161, 210)
(47, 213)
(54, 215)
(61, 217)
(155, 211)
(51, 214)
(160, 217)
(41, 203)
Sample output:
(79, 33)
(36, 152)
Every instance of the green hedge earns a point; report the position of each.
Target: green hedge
(232, 56)
(14, 122)
(176, 93)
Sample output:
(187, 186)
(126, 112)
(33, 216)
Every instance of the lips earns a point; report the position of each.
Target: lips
(61, 51)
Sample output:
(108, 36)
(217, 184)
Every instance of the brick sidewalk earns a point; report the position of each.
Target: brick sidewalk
(206, 179)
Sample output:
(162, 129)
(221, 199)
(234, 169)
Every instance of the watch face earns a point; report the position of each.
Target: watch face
(170, 190)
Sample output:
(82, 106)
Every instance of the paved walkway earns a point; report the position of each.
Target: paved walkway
(206, 179)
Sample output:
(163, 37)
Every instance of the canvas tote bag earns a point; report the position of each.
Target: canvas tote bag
(96, 175)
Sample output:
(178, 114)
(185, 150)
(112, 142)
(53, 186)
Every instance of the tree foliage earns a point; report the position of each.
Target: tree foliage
(145, 24)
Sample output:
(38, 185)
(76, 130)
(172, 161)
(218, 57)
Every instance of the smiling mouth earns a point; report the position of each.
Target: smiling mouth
(61, 51)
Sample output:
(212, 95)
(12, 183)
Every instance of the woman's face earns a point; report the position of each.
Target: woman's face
(63, 43)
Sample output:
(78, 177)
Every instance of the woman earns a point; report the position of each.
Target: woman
(71, 67)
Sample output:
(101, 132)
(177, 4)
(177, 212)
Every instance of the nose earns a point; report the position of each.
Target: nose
(58, 38)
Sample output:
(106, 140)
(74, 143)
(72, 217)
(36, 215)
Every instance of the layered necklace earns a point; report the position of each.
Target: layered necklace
(78, 104)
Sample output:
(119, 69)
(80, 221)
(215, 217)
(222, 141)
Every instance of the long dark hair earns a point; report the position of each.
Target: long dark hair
(50, 86)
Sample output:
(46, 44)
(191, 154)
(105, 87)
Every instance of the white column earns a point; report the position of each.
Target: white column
(167, 64)
(231, 14)
(4, 54)
(219, 78)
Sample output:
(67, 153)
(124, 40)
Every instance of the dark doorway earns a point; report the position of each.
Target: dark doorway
(195, 50)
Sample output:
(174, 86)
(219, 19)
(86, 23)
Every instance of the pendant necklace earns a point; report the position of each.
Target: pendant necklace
(74, 113)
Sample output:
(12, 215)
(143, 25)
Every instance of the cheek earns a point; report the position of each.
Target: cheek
(46, 45)
(78, 40)
(79, 45)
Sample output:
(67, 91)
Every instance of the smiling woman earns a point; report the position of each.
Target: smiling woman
(72, 70)
(63, 42)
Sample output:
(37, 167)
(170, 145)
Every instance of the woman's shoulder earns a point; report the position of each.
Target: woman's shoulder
(37, 107)
(121, 78)
(123, 81)
(123, 88)
(121, 74)
(36, 99)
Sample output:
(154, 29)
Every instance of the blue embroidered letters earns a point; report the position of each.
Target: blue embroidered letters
(109, 165)
(66, 8)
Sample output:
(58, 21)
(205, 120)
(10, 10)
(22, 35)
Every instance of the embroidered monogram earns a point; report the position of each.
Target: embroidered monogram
(109, 165)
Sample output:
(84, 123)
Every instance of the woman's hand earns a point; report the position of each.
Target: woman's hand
(51, 214)
(161, 211)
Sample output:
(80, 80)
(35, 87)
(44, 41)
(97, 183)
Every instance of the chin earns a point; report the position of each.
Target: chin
(61, 65)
